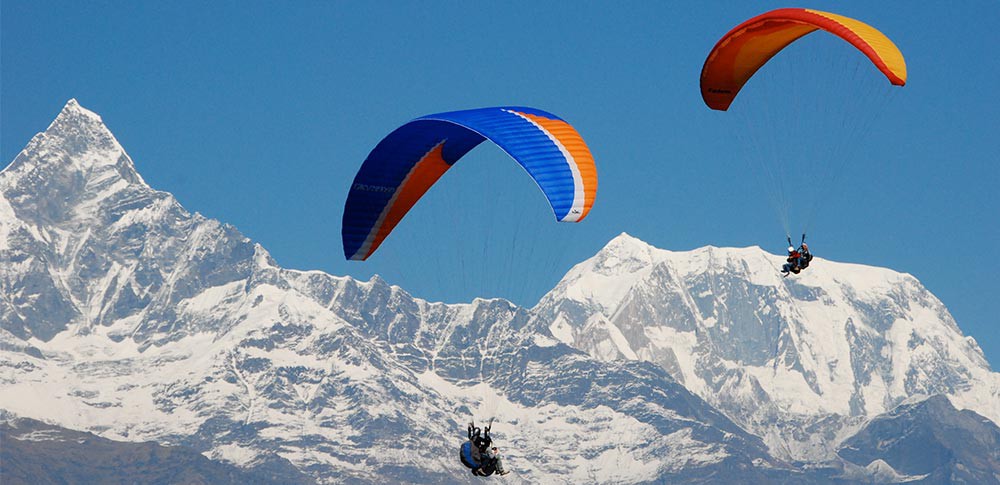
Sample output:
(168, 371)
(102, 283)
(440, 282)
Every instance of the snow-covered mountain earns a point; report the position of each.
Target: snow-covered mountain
(124, 315)
(127, 316)
(800, 361)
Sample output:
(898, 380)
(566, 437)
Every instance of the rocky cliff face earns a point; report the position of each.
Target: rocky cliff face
(928, 440)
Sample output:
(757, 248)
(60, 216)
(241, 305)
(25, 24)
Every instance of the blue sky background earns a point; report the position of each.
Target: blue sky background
(259, 113)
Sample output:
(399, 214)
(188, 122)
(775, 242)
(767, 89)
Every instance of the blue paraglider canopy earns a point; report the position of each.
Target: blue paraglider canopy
(408, 161)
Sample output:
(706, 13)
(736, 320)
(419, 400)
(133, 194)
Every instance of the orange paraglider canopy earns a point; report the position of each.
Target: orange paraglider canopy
(742, 51)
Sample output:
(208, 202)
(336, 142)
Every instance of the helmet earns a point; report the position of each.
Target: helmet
(791, 249)
(805, 246)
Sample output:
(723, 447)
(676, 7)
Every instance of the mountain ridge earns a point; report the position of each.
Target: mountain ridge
(133, 318)
(125, 315)
(724, 323)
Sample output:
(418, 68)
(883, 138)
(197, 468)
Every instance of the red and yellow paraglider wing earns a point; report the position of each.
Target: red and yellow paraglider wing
(742, 51)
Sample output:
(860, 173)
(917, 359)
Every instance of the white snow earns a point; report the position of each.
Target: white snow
(233, 453)
(7, 222)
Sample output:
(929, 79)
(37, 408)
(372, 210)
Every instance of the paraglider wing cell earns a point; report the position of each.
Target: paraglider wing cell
(407, 162)
(742, 51)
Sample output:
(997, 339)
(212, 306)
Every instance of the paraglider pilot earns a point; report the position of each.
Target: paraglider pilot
(792, 262)
(805, 257)
(798, 259)
(477, 454)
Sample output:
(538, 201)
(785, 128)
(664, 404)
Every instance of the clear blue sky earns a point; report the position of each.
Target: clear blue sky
(259, 113)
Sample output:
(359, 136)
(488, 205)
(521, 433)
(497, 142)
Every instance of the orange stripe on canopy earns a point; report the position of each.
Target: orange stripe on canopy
(571, 140)
(421, 177)
(742, 51)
